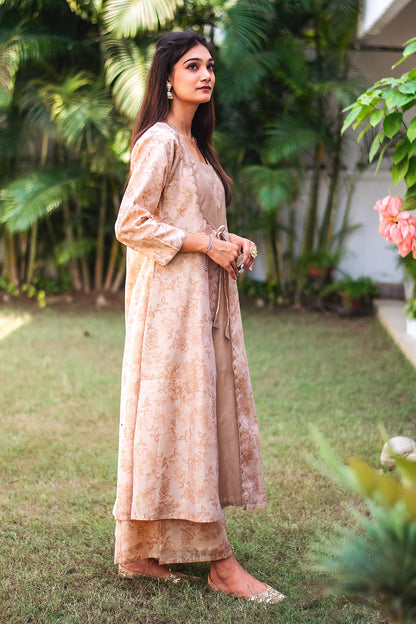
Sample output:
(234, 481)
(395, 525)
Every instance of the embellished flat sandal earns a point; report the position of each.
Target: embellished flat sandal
(172, 577)
(269, 596)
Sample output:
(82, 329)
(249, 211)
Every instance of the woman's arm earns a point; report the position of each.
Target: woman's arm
(137, 225)
(224, 253)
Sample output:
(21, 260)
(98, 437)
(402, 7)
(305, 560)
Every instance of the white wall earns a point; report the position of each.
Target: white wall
(379, 13)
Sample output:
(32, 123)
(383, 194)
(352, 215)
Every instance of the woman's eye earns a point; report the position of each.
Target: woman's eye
(192, 66)
(211, 67)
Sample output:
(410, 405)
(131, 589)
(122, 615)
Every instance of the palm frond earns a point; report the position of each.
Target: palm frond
(35, 111)
(356, 564)
(68, 250)
(81, 109)
(9, 137)
(289, 138)
(87, 9)
(272, 188)
(30, 198)
(245, 29)
(19, 47)
(236, 84)
(125, 18)
(111, 158)
(126, 71)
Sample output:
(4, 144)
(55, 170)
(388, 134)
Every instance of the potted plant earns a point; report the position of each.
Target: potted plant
(350, 296)
(314, 273)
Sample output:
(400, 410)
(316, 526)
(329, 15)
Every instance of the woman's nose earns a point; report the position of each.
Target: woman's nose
(206, 74)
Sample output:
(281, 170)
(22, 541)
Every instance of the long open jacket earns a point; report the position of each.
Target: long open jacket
(168, 453)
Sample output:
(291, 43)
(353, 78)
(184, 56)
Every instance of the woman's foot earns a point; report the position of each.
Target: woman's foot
(150, 568)
(228, 576)
(146, 567)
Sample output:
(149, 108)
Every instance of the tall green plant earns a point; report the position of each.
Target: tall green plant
(379, 559)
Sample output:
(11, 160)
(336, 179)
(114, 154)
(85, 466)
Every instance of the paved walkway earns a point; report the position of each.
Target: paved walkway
(392, 316)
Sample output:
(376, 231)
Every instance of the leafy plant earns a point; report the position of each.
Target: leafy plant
(360, 289)
(386, 103)
(378, 560)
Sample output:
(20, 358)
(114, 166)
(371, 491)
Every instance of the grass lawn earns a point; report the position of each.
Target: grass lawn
(60, 382)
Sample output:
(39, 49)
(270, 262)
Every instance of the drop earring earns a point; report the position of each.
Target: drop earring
(169, 91)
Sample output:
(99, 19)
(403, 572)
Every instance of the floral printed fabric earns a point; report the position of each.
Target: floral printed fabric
(168, 453)
(171, 541)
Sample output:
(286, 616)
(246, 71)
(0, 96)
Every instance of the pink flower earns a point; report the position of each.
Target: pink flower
(398, 227)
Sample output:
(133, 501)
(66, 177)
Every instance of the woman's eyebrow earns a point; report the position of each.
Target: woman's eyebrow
(197, 59)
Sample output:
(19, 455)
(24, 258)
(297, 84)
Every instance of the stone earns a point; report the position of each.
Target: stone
(400, 445)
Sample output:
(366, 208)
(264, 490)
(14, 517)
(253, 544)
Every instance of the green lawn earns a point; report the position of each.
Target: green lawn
(60, 382)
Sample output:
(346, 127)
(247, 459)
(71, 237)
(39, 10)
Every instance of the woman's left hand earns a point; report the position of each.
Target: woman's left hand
(246, 247)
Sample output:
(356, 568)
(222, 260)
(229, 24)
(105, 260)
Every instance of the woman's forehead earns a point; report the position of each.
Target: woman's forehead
(198, 52)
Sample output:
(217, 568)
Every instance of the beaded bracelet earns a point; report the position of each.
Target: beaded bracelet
(210, 243)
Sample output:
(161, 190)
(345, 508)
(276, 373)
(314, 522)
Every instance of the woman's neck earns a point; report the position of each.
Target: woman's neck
(181, 118)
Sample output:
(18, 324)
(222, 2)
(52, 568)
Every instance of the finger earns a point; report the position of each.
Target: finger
(230, 270)
(247, 259)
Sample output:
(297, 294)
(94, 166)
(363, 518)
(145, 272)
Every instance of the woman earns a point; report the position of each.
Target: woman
(188, 434)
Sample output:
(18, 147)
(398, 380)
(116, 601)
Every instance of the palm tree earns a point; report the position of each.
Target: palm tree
(71, 96)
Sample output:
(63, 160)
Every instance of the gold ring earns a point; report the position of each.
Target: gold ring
(253, 251)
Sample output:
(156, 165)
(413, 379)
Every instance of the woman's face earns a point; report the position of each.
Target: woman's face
(192, 77)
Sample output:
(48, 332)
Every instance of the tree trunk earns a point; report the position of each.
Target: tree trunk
(120, 273)
(99, 257)
(275, 254)
(22, 246)
(86, 284)
(312, 214)
(11, 256)
(32, 252)
(73, 266)
(115, 246)
(324, 232)
(291, 244)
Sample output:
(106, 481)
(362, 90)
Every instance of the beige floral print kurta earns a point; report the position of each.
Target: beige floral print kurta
(169, 464)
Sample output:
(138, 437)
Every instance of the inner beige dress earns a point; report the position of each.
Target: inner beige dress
(180, 541)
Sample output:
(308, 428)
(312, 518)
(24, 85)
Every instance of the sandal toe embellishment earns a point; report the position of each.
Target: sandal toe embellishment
(270, 596)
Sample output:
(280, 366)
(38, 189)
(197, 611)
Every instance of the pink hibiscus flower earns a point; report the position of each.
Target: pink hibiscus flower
(398, 227)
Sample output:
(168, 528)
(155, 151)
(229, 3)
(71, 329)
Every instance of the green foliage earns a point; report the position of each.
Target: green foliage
(387, 101)
(268, 292)
(72, 76)
(29, 290)
(30, 198)
(125, 18)
(126, 71)
(380, 560)
(410, 308)
(359, 289)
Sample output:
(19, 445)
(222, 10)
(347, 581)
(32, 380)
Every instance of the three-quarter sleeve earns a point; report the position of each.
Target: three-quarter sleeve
(138, 224)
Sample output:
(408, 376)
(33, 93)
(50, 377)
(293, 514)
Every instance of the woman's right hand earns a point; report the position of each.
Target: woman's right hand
(225, 254)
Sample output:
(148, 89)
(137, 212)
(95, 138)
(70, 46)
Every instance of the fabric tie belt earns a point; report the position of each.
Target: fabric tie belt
(222, 234)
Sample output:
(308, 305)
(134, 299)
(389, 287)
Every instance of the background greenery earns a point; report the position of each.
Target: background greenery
(72, 74)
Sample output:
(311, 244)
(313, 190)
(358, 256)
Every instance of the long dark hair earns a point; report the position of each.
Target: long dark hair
(155, 105)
